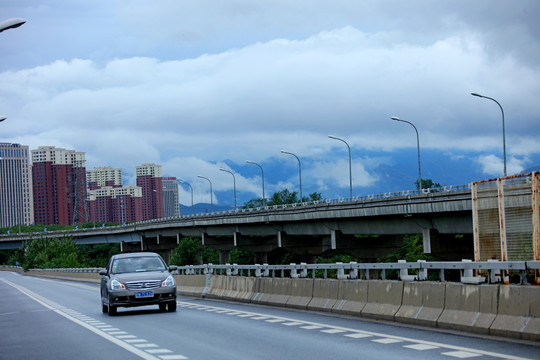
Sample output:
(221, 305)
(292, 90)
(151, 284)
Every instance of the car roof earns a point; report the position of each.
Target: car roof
(137, 254)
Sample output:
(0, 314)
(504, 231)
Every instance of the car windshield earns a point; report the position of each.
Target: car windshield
(137, 264)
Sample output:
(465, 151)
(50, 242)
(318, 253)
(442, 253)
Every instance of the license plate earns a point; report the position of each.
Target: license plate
(144, 294)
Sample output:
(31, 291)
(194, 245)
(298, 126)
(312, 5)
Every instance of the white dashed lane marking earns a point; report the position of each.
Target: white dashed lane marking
(311, 327)
(461, 354)
(384, 339)
(421, 347)
(131, 343)
(332, 331)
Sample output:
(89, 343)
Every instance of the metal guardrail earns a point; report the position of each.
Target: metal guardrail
(469, 272)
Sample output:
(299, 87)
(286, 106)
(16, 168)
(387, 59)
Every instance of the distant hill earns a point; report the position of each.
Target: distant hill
(201, 208)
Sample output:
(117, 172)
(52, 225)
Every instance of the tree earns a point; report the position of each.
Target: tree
(190, 251)
(284, 197)
(427, 184)
(255, 203)
(281, 197)
(241, 256)
(314, 196)
(50, 254)
(96, 255)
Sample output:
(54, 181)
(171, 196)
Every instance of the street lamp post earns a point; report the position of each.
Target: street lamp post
(183, 182)
(350, 163)
(503, 131)
(262, 173)
(299, 170)
(211, 196)
(11, 24)
(234, 184)
(418, 148)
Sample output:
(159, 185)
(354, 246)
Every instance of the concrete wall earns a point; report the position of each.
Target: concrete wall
(503, 310)
(78, 276)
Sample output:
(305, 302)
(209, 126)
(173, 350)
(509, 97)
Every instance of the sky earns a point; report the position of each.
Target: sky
(196, 86)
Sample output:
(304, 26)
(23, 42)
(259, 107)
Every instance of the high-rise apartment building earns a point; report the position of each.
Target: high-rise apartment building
(115, 204)
(16, 206)
(149, 178)
(108, 200)
(171, 206)
(104, 176)
(59, 186)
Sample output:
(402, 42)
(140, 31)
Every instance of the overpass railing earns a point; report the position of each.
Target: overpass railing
(465, 271)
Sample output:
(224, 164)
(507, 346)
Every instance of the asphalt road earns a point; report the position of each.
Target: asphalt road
(50, 319)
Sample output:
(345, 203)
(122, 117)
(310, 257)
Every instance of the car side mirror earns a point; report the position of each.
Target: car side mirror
(103, 272)
(172, 268)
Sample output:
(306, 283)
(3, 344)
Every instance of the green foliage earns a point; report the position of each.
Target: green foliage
(314, 196)
(241, 256)
(411, 251)
(53, 227)
(332, 257)
(96, 255)
(11, 257)
(50, 253)
(190, 251)
(427, 184)
(255, 203)
(284, 197)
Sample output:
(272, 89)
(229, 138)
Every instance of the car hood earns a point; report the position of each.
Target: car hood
(141, 276)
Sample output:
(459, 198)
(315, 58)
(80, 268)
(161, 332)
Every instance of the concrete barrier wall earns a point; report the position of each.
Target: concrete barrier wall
(518, 312)
(239, 288)
(422, 303)
(469, 307)
(511, 311)
(352, 297)
(82, 276)
(273, 291)
(301, 293)
(384, 299)
(325, 295)
(190, 285)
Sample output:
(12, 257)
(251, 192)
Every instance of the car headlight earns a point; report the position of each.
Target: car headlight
(169, 282)
(117, 285)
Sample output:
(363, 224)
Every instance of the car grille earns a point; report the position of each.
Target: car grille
(148, 284)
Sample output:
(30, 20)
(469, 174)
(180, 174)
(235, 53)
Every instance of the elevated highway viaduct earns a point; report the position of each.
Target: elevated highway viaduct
(365, 227)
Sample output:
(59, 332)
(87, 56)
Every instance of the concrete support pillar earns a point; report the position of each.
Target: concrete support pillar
(426, 236)
(333, 239)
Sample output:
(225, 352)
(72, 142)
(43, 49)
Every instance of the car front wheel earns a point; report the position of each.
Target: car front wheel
(111, 308)
(171, 307)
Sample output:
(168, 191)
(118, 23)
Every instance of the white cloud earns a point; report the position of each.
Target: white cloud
(494, 166)
(196, 86)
